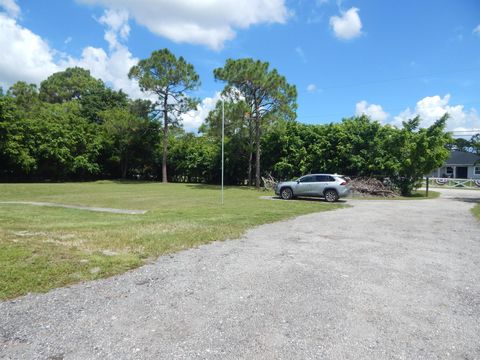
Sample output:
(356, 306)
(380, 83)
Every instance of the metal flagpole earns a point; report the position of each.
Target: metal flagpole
(223, 138)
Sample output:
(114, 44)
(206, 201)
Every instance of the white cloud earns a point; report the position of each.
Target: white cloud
(111, 67)
(375, 112)
(26, 56)
(116, 22)
(348, 25)
(299, 51)
(194, 118)
(403, 116)
(209, 23)
(431, 108)
(311, 88)
(23, 54)
(477, 30)
(11, 8)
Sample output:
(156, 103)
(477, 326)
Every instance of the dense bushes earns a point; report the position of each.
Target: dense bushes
(80, 129)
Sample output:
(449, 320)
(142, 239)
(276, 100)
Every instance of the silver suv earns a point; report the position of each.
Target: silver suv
(330, 187)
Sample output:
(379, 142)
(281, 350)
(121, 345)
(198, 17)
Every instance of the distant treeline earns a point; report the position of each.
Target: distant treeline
(74, 127)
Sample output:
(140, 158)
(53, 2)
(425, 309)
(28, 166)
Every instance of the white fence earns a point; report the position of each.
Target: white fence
(454, 183)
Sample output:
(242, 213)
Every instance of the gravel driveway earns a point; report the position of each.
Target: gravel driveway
(379, 280)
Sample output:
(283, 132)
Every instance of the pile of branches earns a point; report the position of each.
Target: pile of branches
(269, 182)
(371, 187)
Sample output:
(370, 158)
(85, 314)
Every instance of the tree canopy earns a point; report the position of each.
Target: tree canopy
(266, 93)
(76, 127)
(170, 79)
(70, 84)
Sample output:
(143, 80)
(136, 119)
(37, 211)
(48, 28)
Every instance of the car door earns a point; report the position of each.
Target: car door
(320, 183)
(323, 181)
(305, 186)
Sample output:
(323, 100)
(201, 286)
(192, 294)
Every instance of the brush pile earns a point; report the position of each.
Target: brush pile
(269, 182)
(370, 187)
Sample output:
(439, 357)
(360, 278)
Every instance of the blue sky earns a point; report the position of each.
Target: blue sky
(388, 59)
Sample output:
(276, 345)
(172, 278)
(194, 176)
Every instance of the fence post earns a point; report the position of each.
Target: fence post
(426, 192)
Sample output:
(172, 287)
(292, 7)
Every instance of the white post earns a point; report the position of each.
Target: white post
(223, 139)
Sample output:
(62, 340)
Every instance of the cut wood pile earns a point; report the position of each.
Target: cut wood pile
(269, 182)
(371, 187)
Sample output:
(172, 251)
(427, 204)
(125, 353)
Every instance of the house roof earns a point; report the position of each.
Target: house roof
(462, 158)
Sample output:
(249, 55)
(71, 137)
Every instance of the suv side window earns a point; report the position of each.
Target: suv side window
(324, 178)
(307, 179)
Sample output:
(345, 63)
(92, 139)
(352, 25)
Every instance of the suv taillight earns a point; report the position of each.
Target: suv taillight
(344, 183)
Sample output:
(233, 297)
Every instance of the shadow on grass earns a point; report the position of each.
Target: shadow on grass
(418, 195)
(132, 181)
(196, 186)
(217, 187)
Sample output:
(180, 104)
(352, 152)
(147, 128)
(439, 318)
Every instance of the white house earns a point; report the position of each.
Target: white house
(460, 165)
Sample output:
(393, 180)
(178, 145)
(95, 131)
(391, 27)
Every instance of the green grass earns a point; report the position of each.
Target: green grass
(46, 247)
(476, 211)
(421, 194)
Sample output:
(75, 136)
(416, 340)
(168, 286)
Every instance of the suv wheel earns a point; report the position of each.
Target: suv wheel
(286, 194)
(331, 195)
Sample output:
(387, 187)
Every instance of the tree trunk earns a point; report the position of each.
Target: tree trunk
(257, 149)
(124, 166)
(165, 141)
(250, 157)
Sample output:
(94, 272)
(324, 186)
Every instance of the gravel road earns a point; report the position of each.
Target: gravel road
(379, 280)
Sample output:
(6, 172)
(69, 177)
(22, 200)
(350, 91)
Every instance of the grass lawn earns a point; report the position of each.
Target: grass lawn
(421, 194)
(476, 211)
(46, 247)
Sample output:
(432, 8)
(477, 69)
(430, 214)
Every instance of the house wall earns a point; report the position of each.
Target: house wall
(443, 170)
(471, 173)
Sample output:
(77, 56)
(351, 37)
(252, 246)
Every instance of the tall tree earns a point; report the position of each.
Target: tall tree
(25, 96)
(76, 84)
(414, 152)
(266, 92)
(67, 144)
(129, 137)
(462, 144)
(141, 108)
(475, 141)
(67, 85)
(15, 157)
(194, 158)
(170, 79)
(238, 127)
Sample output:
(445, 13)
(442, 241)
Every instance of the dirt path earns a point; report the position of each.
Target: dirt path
(379, 280)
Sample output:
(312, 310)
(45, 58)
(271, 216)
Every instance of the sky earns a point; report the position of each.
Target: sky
(389, 59)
